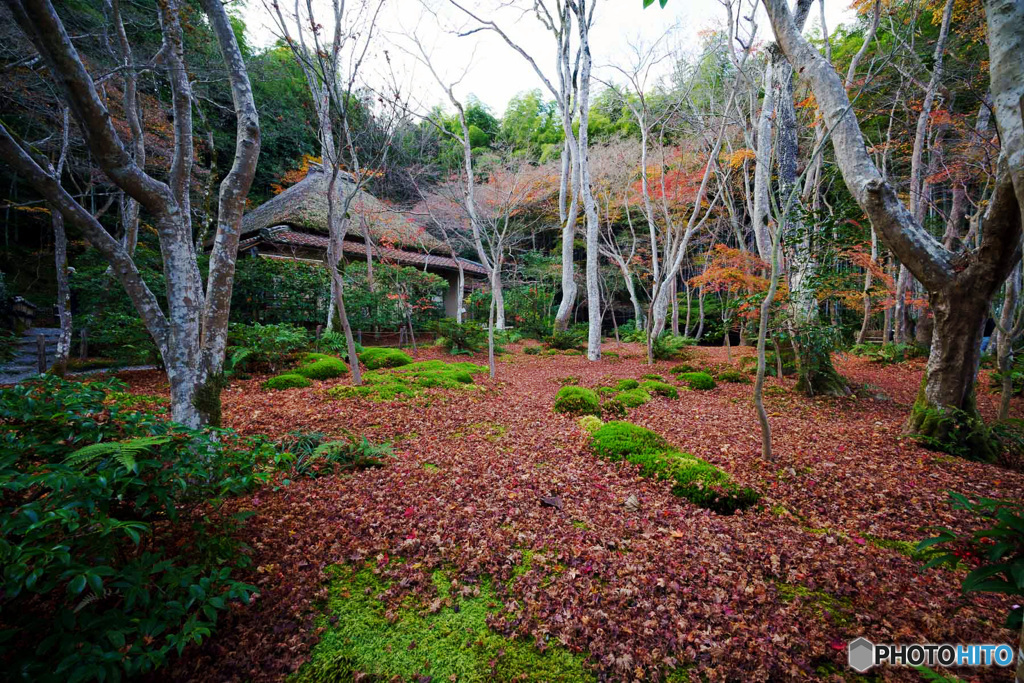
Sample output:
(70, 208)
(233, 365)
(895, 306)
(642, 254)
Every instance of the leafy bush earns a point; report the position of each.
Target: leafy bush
(465, 338)
(288, 380)
(576, 401)
(625, 384)
(564, 341)
(531, 350)
(888, 354)
(377, 357)
(660, 388)
(694, 479)
(120, 336)
(96, 501)
(668, 346)
(733, 376)
(335, 344)
(314, 455)
(507, 336)
(325, 367)
(590, 423)
(700, 381)
(263, 345)
(995, 550)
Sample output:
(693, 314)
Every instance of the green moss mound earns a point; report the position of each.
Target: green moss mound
(377, 357)
(694, 479)
(618, 440)
(733, 377)
(626, 384)
(286, 381)
(701, 381)
(576, 401)
(420, 643)
(651, 375)
(683, 368)
(660, 388)
(632, 398)
(590, 423)
(410, 380)
(326, 367)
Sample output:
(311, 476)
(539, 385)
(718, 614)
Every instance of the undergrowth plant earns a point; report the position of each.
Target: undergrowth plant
(995, 550)
(96, 499)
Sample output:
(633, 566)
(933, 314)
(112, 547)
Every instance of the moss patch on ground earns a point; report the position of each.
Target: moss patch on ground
(450, 643)
(410, 380)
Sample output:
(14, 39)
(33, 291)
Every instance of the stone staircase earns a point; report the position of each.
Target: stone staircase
(26, 355)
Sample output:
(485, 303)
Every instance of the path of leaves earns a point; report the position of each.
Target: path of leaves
(772, 593)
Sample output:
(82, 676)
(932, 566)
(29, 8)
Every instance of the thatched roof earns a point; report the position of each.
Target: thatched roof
(304, 206)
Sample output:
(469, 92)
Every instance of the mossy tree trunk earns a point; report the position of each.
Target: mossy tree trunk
(946, 398)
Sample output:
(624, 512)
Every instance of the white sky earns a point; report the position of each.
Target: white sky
(495, 72)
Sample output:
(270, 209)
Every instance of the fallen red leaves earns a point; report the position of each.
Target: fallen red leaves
(774, 593)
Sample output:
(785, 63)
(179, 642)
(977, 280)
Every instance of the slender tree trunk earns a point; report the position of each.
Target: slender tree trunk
(866, 322)
(490, 338)
(60, 252)
(700, 315)
(675, 307)
(686, 332)
(589, 205)
(1006, 331)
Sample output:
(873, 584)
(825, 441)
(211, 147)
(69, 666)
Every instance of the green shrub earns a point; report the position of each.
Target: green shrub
(563, 341)
(660, 388)
(314, 455)
(700, 381)
(263, 345)
(625, 384)
(531, 350)
(632, 398)
(327, 367)
(590, 423)
(888, 354)
(733, 376)
(460, 338)
(668, 346)
(335, 344)
(694, 479)
(376, 357)
(995, 550)
(93, 515)
(576, 401)
(288, 380)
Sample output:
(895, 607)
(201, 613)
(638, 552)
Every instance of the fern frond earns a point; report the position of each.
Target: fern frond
(125, 452)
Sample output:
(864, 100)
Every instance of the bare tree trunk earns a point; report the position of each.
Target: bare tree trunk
(866, 322)
(1008, 331)
(60, 252)
(589, 205)
(763, 165)
(490, 338)
(689, 292)
(675, 307)
(762, 335)
(700, 315)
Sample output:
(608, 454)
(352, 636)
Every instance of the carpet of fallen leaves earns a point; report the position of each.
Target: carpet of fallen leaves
(771, 593)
